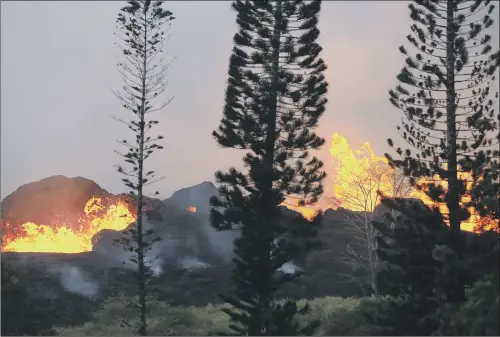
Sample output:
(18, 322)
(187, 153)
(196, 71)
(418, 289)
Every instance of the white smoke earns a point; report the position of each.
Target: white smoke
(191, 263)
(155, 264)
(128, 260)
(288, 268)
(72, 279)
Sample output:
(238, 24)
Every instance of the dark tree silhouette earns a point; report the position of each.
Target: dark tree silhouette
(445, 94)
(142, 32)
(274, 99)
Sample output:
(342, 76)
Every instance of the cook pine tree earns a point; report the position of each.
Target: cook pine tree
(446, 93)
(274, 98)
(142, 32)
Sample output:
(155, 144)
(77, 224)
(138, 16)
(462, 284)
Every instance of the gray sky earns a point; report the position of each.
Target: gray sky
(57, 68)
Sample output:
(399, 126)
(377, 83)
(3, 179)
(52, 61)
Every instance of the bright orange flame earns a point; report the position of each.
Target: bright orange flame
(66, 239)
(474, 220)
(191, 209)
(359, 174)
(308, 212)
(357, 177)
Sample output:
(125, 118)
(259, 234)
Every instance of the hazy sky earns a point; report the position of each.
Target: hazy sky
(57, 67)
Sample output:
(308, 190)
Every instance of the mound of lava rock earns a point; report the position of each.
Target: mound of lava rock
(57, 198)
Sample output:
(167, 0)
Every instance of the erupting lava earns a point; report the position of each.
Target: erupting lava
(475, 221)
(357, 177)
(308, 212)
(64, 238)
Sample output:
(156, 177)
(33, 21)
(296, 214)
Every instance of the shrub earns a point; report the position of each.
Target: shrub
(339, 316)
(478, 315)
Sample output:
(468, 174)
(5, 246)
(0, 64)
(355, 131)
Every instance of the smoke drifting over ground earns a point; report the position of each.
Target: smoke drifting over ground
(190, 263)
(218, 244)
(182, 221)
(73, 280)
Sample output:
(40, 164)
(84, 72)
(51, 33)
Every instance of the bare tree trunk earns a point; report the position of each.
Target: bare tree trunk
(363, 195)
(371, 255)
(452, 197)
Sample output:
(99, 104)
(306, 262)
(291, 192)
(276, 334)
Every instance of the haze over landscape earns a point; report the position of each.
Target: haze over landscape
(64, 127)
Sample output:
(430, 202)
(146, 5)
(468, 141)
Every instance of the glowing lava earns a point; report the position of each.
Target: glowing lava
(359, 174)
(474, 222)
(64, 238)
(191, 209)
(308, 212)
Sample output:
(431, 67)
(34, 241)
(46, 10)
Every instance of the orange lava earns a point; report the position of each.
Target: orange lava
(191, 209)
(68, 239)
(359, 174)
(308, 212)
(474, 222)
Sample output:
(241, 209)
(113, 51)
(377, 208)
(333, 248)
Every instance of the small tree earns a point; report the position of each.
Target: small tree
(445, 96)
(361, 194)
(274, 99)
(142, 34)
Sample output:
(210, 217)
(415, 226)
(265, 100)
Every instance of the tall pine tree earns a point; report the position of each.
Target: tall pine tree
(274, 99)
(445, 94)
(142, 34)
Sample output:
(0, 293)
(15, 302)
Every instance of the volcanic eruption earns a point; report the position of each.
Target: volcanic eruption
(62, 237)
(359, 174)
(60, 215)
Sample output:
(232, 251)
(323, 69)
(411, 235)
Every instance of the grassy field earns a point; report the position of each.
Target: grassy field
(338, 316)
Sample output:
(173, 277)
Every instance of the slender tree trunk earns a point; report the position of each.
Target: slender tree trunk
(452, 198)
(267, 195)
(140, 239)
(273, 104)
(371, 254)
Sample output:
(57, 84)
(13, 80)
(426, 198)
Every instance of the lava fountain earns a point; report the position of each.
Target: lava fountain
(69, 238)
(359, 174)
(356, 173)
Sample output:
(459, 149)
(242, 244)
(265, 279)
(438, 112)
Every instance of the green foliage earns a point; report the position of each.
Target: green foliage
(142, 34)
(444, 94)
(337, 316)
(274, 99)
(478, 315)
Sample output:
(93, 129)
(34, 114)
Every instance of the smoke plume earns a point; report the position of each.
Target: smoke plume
(73, 280)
